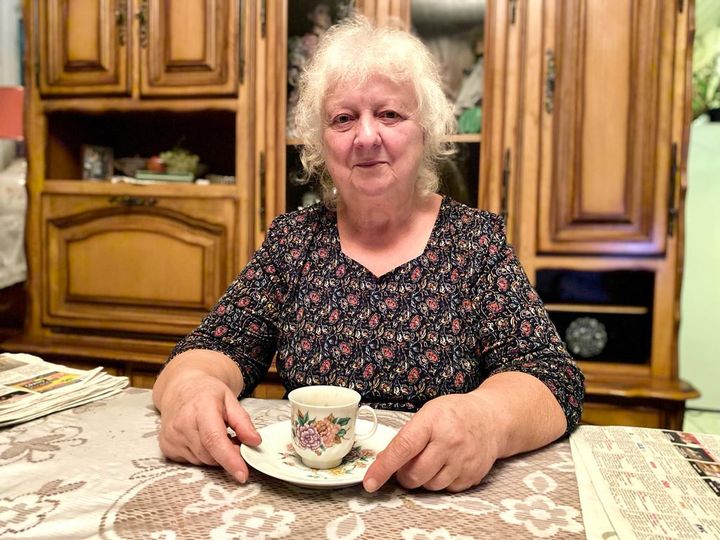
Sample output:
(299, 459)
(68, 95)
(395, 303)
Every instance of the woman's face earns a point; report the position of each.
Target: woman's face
(372, 142)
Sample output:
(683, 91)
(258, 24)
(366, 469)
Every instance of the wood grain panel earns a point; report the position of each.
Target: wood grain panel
(118, 263)
(191, 48)
(608, 71)
(84, 44)
(154, 268)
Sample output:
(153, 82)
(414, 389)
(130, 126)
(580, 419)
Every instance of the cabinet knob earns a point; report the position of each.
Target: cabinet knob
(550, 81)
(128, 201)
(121, 21)
(142, 16)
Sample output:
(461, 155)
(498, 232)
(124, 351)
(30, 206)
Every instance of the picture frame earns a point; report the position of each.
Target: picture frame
(97, 162)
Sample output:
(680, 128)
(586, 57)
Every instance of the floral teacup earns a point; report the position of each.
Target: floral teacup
(323, 424)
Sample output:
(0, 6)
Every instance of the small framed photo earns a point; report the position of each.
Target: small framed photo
(97, 162)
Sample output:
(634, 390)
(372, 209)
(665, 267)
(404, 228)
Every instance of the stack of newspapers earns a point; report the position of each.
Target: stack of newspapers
(638, 483)
(31, 387)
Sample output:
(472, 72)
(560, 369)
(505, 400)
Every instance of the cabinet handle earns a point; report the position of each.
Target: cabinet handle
(672, 206)
(262, 210)
(241, 41)
(263, 20)
(121, 21)
(549, 81)
(505, 186)
(142, 17)
(128, 201)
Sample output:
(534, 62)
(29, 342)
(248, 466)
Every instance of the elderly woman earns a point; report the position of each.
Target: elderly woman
(412, 299)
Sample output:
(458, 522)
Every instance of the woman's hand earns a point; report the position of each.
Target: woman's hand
(450, 443)
(196, 408)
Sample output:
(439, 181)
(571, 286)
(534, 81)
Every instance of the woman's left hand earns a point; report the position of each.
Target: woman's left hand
(450, 443)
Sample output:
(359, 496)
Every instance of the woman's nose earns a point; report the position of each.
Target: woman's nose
(367, 133)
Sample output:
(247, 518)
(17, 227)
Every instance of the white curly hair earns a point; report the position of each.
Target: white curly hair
(354, 50)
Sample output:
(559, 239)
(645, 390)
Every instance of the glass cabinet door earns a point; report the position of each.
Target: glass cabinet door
(307, 20)
(453, 31)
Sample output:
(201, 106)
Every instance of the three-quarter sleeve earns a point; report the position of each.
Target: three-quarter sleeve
(516, 333)
(243, 323)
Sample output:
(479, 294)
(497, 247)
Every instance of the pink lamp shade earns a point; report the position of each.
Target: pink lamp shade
(11, 112)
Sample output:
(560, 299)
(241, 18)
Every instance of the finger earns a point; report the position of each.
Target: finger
(408, 443)
(195, 445)
(460, 484)
(179, 453)
(422, 468)
(184, 446)
(213, 437)
(444, 478)
(240, 422)
(188, 456)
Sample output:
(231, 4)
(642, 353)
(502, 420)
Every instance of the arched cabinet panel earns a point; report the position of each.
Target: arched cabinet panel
(124, 266)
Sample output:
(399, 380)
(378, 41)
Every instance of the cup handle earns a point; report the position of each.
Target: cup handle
(364, 436)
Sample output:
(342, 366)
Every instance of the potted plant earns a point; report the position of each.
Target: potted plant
(706, 76)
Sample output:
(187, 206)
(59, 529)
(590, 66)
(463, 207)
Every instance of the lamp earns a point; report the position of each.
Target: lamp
(11, 112)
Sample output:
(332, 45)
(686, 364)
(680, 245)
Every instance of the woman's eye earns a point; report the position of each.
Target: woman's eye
(342, 119)
(390, 115)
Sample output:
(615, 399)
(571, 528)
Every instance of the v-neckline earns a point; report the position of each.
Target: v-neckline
(352, 262)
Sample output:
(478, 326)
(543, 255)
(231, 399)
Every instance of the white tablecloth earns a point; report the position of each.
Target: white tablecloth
(96, 472)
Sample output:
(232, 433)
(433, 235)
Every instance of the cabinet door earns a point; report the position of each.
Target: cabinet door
(453, 33)
(83, 47)
(606, 126)
(129, 264)
(188, 47)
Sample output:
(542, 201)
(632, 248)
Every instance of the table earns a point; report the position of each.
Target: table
(96, 472)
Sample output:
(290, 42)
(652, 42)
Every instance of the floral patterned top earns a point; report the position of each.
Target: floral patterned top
(439, 324)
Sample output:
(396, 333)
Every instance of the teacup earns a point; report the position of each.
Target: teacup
(323, 423)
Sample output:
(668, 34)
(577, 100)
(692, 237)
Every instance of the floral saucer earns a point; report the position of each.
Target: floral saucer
(276, 457)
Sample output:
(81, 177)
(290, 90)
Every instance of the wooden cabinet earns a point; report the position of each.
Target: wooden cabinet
(596, 182)
(119, 271)
(169, 48)
(576, 132)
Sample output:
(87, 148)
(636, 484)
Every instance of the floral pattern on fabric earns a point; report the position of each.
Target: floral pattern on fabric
(439, 324)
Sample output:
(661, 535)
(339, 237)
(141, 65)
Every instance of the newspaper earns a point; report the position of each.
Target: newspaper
(641, 483)
(31, 387)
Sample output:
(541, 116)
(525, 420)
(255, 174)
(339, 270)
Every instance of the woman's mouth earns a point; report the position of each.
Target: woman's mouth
(370, 163)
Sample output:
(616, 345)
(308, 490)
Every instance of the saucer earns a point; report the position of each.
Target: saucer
(276, 457)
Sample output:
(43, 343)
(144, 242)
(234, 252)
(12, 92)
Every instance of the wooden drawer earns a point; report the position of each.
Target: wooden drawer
(121, 263)
(610, 415)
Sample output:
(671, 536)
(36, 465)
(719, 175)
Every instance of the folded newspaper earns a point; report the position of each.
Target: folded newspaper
(30, 387)
(641, 483)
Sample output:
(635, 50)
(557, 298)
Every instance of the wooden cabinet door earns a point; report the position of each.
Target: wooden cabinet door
(84, 47)
(125, 264)
(188, 47)
(605, 125)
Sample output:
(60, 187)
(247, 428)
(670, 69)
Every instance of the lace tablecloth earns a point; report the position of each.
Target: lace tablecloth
(96, 472)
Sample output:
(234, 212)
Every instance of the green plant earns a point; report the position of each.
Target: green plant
(706, 88)
(706, 73)
(180, 160)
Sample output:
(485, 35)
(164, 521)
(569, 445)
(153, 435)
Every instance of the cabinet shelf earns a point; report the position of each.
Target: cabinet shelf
(211, 134)
(90, 187)
(104, 105)
(597, 308)
(459, 138)
(466, 138)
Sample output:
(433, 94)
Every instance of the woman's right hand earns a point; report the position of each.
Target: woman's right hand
(196, 408)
